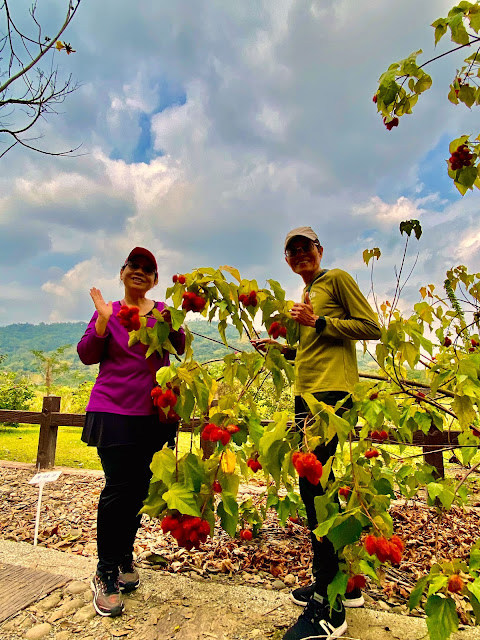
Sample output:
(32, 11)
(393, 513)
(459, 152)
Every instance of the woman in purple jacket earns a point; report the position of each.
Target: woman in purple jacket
(123, 424)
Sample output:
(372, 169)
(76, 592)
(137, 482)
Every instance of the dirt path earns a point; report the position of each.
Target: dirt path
(228, 591)
(170, 606)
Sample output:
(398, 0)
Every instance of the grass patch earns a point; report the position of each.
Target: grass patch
(20, 445)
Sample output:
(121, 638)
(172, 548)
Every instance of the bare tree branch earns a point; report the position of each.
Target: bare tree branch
(33, 91)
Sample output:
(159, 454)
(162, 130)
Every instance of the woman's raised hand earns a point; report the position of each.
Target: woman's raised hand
(105, 309)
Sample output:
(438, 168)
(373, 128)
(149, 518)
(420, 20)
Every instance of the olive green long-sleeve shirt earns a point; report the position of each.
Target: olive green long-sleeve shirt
(328, 361)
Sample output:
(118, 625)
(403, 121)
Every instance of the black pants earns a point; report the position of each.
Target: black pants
(325, 559)
(127, 477)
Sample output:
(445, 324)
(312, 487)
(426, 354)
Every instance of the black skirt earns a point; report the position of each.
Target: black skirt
(102, 429)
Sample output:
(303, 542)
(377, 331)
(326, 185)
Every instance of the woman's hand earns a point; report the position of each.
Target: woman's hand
(302, 312)
(262, 344)
(104, 309)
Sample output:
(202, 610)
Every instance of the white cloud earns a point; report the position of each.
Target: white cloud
(277, 129)
(385, 213)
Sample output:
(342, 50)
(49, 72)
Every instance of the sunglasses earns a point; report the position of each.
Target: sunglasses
(306, 247)
(148, 270)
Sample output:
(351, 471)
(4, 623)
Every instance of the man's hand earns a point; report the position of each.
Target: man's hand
(262, 344)
(302, 312)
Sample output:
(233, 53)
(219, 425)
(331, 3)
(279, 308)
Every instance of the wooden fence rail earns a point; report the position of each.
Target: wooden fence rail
(50, 419)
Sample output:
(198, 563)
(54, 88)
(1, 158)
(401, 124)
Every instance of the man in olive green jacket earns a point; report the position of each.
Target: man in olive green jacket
(333, 314)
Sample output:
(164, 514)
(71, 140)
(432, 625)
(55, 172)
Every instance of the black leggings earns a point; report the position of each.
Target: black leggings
(325, 559)
(127, 477)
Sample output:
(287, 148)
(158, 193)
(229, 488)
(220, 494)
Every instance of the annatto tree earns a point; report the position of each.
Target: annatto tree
(190, 494)
(404, 81)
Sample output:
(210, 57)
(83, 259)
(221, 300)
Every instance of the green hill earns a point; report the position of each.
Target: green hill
(18, 340)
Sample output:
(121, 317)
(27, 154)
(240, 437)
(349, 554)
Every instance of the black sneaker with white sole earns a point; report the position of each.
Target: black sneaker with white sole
(302, 595)
(319, 621)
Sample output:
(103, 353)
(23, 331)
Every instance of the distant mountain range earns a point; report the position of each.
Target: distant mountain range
(18, 340)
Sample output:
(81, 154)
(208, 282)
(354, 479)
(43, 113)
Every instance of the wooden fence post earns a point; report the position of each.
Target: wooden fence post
(434, 440)
(47, 439)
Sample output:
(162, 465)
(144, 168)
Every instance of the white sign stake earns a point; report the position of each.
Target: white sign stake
(40, 479)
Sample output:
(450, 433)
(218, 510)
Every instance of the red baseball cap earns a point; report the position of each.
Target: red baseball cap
(141, 251)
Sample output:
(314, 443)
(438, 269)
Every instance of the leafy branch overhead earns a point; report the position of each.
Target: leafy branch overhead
(402, 84)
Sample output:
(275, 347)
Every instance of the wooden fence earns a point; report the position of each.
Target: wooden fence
(50, 419)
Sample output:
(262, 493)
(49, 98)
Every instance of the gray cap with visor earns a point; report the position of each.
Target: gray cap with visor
(305, 232)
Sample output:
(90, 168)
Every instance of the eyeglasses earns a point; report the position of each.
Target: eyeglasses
(306, 247)
(147, 269)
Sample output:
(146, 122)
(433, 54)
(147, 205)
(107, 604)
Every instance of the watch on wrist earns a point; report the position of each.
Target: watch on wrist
(320, 324)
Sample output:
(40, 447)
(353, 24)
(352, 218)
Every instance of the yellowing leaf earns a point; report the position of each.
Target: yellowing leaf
(228, 462)
(59, 45)
(232, 271)
(368, 254)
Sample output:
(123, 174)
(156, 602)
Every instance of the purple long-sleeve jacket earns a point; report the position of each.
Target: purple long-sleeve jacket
(126, 378)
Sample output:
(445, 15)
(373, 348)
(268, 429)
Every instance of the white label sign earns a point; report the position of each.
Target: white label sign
(45, 476)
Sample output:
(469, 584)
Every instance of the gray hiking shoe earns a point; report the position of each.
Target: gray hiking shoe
(107, 599)
(128, 578)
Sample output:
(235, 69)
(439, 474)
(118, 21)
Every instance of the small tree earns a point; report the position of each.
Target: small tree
(29, 85)
(51, 364)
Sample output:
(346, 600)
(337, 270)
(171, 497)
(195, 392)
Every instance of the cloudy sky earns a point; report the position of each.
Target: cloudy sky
(210, 128)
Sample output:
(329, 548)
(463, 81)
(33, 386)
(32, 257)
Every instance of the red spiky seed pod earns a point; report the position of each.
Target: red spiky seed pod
(129, 317)
(395, 554)
(370, 544)
(254, 465)
(308, 466)
(232, 428)
(383, 549)
(360, 581)
(392, 123)
(398, 542)
(274, 330)
(455, 584)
